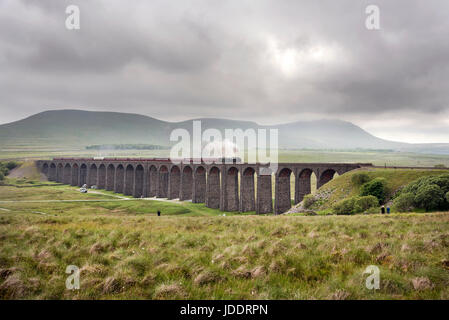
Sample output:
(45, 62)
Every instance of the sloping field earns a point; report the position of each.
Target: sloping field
(342, 187)
(27, 170)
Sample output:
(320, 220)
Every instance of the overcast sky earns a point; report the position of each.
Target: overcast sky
(267, 61)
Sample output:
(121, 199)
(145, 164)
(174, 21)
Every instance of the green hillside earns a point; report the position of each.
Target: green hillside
(81, 128)
(75, 127)
(342, 187)
(68, 132)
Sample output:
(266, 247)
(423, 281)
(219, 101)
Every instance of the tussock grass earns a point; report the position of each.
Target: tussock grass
(124, 251)
(239, 257)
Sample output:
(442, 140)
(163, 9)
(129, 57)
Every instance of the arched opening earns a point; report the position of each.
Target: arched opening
(283, 200)
(67, 174)
(83, 174)
(213, 193)
(186, 184)
(45, 169)
(232, 190)
(138, 181)
(303, 184)
(129, 180)
(110, 177)
(52, 172)
(92, 175)
(59, 172)
(247, 190)
(152, 181)
(119, 178)
(101, 183)
(199, 186)
(325, 177)
(163, 182)
(75, 175)
(174, 183)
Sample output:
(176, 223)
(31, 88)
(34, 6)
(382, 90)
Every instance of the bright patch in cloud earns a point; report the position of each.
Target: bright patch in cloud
(293, 61)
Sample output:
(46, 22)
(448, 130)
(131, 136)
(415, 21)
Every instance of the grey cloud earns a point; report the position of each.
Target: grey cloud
(104, 44)
(201, 58)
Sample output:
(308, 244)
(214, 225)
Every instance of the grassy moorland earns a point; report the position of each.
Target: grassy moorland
(390, 158)
(26, 196)
(125, 251)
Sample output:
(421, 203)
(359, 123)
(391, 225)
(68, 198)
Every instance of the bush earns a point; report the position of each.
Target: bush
(11, 165)
(429, 193)
(404, 202)
(377, 188)
(345, 206)
(6, 166)
(429, 197)
(442, 181)
(2, 176)
(308, 201)
(362, 204)
(447, 196)
(360, 178)
(355, 205)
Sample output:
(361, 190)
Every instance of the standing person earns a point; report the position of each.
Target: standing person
(382, 209)
(388, 210)
(158, 213)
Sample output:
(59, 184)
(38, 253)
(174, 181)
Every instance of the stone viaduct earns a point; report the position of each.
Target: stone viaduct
(221, 185)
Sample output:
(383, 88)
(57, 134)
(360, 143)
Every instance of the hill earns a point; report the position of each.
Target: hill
(84, 127)
(62, 128)
(77, 127)
(342, 187)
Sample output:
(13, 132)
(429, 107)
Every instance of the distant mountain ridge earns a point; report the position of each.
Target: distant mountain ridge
(82, 128)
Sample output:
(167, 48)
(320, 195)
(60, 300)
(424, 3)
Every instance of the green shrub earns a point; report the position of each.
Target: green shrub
(442, 181)
(360, 178)
(362, 204)
(355, 205)
(11, 165)
(2, 176)
(377, 188)
(308, 201)
(404, 202)
(429, 193)
(345, 206)
(372, 210)
(6, 166)
(447, 196)
(429, 197)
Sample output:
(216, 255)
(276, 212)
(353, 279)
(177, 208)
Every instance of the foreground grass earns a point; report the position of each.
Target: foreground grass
(124, 251)
(136, 256)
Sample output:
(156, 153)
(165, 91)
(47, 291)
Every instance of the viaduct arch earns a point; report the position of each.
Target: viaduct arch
(225, 186)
